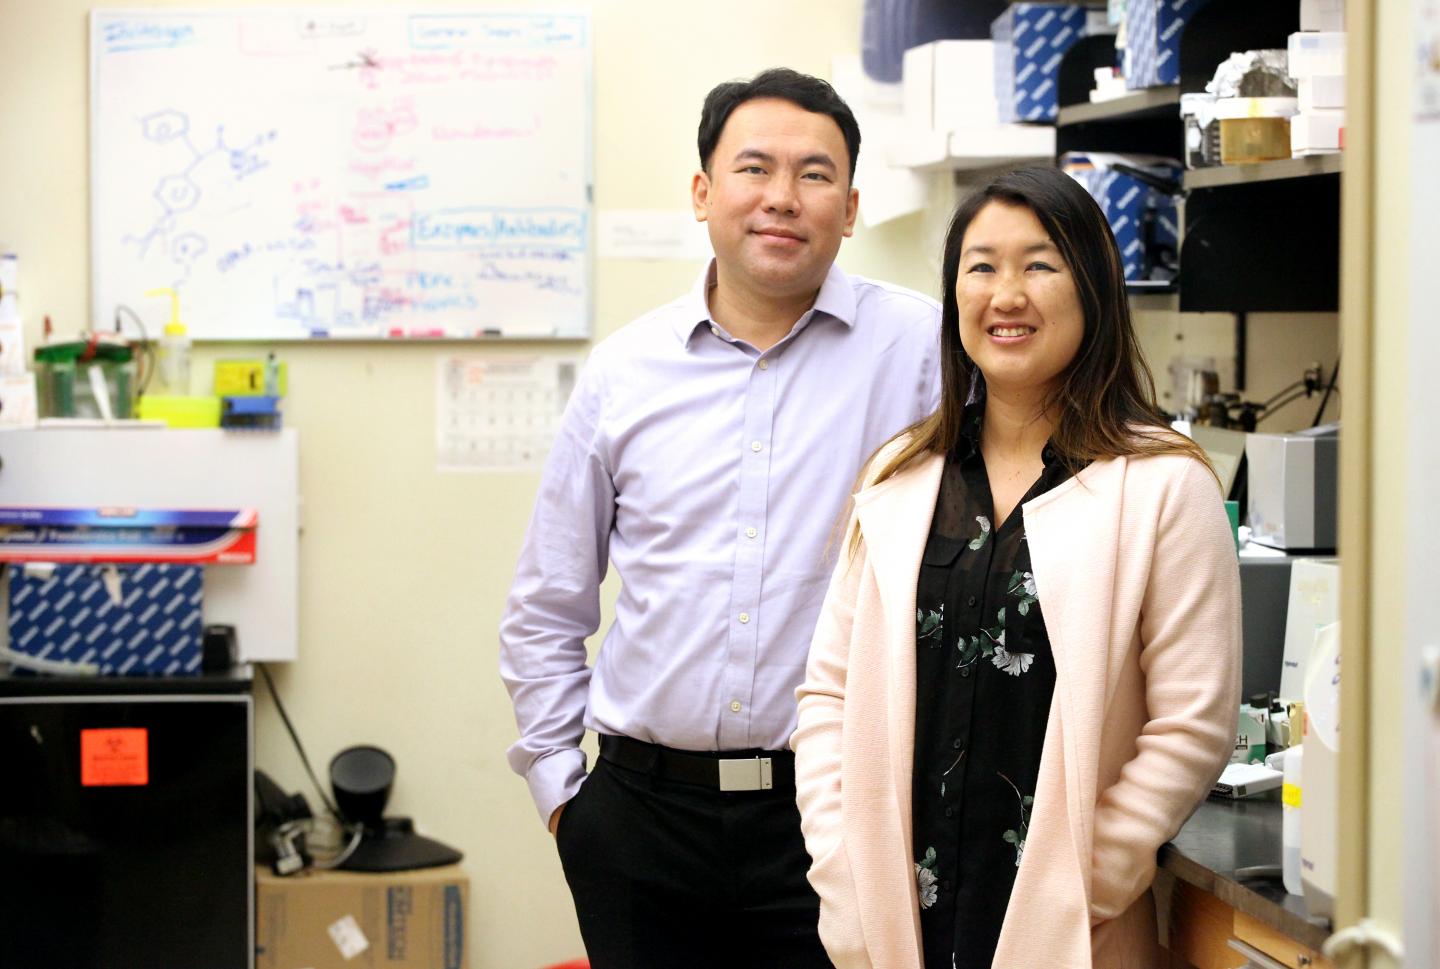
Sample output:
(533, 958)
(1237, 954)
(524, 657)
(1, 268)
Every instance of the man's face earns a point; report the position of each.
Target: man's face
(777, 198)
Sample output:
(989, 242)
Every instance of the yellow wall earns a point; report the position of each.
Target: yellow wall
(404, 570)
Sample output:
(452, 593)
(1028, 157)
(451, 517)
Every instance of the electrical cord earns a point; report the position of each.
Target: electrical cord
(275, 695)
(149, 353)
(357, 832)
(1272, 410)
(1330, 389)
(1299, 383)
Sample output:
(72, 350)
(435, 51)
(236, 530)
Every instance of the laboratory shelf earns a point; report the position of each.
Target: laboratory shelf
(1223, 175)
(1148, 102)
(968, 148)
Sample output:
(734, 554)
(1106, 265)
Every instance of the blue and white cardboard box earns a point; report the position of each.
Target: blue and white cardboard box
(1030, 39)
(1129, 203)
(125, 619)
(1152, 40)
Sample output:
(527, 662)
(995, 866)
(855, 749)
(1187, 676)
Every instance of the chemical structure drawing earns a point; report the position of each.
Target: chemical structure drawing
(181, 191)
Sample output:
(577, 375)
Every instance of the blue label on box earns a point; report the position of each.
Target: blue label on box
(454, 927)
(1152, 38)
(124, 619)
(1030, 41)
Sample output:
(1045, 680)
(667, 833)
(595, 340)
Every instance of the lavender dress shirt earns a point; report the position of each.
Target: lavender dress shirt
(714, 478)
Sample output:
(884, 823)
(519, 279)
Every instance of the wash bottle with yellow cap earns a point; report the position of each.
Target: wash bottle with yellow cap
(173, 364)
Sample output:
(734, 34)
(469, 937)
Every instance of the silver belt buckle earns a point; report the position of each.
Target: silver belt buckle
(746, 774)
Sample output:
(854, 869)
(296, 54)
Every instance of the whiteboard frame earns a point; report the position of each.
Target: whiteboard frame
(101, 321)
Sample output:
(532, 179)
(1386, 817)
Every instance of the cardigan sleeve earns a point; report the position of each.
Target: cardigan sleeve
(818, 744)
(1190, 657)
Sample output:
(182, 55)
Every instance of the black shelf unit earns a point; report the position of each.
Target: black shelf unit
(1146, 122)
(1255, 238)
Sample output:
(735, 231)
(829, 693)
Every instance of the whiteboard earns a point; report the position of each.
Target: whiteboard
(145, 467)
(331, 173)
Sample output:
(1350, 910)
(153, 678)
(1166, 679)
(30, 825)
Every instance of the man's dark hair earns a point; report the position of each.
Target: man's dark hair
(801, 90)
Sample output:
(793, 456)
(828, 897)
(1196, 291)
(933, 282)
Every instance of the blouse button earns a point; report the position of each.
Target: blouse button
(764, 364)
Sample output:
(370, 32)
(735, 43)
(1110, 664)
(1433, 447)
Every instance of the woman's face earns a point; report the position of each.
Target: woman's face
(1020, 316)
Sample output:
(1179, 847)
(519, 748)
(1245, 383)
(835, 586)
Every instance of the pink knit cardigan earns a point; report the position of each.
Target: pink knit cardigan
(1138, 579)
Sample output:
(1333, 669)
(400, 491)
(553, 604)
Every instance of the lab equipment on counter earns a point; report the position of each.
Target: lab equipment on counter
(93, 377)
(1292, 482)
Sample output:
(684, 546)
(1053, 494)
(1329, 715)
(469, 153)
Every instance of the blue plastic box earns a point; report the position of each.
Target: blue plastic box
(1152, 38)
(1129, 205)
(1030, 39)
(143, 619)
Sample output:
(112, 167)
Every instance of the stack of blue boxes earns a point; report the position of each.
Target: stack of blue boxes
(1136, 212)
(1030, 39)
(124, 619)
(1152, 39)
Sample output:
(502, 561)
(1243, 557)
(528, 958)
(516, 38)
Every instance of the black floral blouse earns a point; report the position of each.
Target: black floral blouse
(984, 679)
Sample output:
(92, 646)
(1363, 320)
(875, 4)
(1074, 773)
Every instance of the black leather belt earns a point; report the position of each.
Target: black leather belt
(725, 770)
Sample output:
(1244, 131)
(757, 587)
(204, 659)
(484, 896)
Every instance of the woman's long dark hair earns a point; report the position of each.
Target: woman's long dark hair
(1105, 399)
(1104, 403)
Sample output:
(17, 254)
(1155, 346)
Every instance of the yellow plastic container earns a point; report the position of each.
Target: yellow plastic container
(1244, 141)
(180, 411)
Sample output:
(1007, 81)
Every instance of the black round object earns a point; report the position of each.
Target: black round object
(361, 778)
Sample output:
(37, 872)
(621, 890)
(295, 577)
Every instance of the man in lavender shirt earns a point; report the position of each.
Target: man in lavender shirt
(708, 453)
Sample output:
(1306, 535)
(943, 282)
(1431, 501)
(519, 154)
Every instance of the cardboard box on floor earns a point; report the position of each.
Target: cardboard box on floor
(350, 920)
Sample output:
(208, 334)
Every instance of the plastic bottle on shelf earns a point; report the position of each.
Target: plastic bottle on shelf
(1291, 800)
(173, 363)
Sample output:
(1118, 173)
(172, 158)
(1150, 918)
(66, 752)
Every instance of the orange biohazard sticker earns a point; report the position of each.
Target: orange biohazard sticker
(115, 757)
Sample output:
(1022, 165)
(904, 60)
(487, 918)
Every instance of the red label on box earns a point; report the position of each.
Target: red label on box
(115, 757)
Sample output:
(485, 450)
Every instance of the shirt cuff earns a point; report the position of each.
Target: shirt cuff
(554, 779)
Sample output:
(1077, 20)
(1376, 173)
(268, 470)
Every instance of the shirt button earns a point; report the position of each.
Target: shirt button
(957, 744)
(971, 602)
(755, 445)
(744, 617)
(734, 706)
(946, 885)
(715, 330)
(965, 671)
(764, 364)
(751, 533)
(949, 812)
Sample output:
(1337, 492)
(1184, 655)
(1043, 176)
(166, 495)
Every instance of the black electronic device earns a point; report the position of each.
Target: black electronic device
(361, 778)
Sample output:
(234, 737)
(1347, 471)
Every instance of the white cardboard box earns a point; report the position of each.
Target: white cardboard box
(1316, 52)
(1316, 131)
(949, 84)
(1322, 15)
(1320, 92)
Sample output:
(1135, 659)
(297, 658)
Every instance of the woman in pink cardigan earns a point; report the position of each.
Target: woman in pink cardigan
(1026, 672)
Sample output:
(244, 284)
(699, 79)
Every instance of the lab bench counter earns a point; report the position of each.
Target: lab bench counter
(1216, 853)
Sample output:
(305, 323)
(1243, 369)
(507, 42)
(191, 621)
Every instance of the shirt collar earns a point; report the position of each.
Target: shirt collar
(836, 299)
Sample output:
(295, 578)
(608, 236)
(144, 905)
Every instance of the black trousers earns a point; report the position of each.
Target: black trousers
(668, 875)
